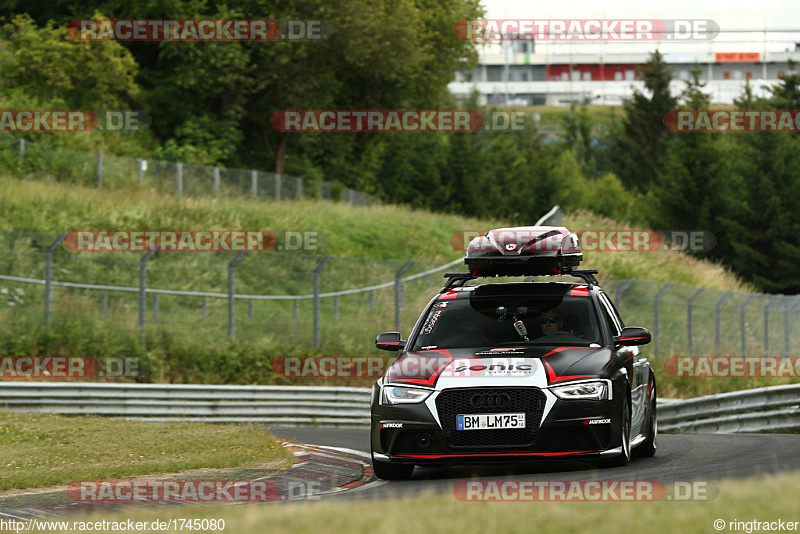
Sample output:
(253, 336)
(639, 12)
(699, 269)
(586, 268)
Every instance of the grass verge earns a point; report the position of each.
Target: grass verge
(40, 450)
(762, 499)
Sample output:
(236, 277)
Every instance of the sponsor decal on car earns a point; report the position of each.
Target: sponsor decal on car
(604, 421)
(390, 424)
(494, 367)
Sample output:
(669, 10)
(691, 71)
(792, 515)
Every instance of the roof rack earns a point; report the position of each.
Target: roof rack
(455, 278)
(586, 274)
(459, 279)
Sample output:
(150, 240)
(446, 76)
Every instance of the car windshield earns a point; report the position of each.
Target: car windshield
(487, 319)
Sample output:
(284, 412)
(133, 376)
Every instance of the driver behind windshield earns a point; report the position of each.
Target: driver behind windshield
(550, 321)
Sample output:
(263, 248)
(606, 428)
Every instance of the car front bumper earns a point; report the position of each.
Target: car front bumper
(564, 430)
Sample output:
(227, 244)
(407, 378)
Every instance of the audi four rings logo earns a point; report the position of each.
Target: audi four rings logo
(481, 400)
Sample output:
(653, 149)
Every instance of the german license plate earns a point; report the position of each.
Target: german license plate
(490, 421)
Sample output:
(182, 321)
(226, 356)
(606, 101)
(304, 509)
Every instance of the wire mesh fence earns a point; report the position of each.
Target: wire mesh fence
(315, 301)
(103, 170)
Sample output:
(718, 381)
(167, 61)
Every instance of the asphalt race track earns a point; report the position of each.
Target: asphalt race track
(680, 458)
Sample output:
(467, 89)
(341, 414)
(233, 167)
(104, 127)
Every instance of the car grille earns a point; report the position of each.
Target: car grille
(386, 438)
(453, 402)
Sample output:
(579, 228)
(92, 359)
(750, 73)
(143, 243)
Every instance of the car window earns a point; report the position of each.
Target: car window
(485, 321)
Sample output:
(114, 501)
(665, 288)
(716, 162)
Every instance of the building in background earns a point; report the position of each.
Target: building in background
(755, 45)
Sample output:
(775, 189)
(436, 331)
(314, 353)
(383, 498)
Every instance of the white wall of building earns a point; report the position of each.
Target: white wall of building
(770, 28)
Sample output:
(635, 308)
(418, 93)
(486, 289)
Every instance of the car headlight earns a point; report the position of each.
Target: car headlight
(401, 395)
(584, 390)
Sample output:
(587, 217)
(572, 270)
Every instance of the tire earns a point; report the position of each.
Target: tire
(387, 471)
(625, 456)
(648, 447)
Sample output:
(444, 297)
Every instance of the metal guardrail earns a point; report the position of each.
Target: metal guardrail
(774, 408)
(769, 409)
(289, 405)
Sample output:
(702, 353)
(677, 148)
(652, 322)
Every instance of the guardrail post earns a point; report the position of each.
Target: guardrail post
(277, 187)
(657, 317)
(104, 302)
(743, 321)
(717, 319)
(142, 291)
(231, 297)
(317, 272)
(296, 311)
(21, 148)
(99, 169)
(620, 290)
(254, 183)
(689, 323)
(335, 308)
(372, 301)
(299, 188)
(140, 170)
(48, 278)
(772, 300)
(398, 292)
(179, 179)
(205, 308)
(250, 309)
(155, 307)
(216, 181)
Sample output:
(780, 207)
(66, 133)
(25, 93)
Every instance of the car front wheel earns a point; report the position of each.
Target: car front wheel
(625, 456)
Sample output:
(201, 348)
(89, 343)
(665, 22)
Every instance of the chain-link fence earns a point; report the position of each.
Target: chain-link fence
(102, 170)
(306, 301)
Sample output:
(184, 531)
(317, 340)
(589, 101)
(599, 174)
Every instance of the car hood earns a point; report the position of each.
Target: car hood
(538, 366)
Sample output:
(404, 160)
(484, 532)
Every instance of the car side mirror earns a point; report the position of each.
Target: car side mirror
(390, 341)
(633, 335)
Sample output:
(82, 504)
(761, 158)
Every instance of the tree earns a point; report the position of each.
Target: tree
(45, 63)
(642, 143)
(764, 232)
